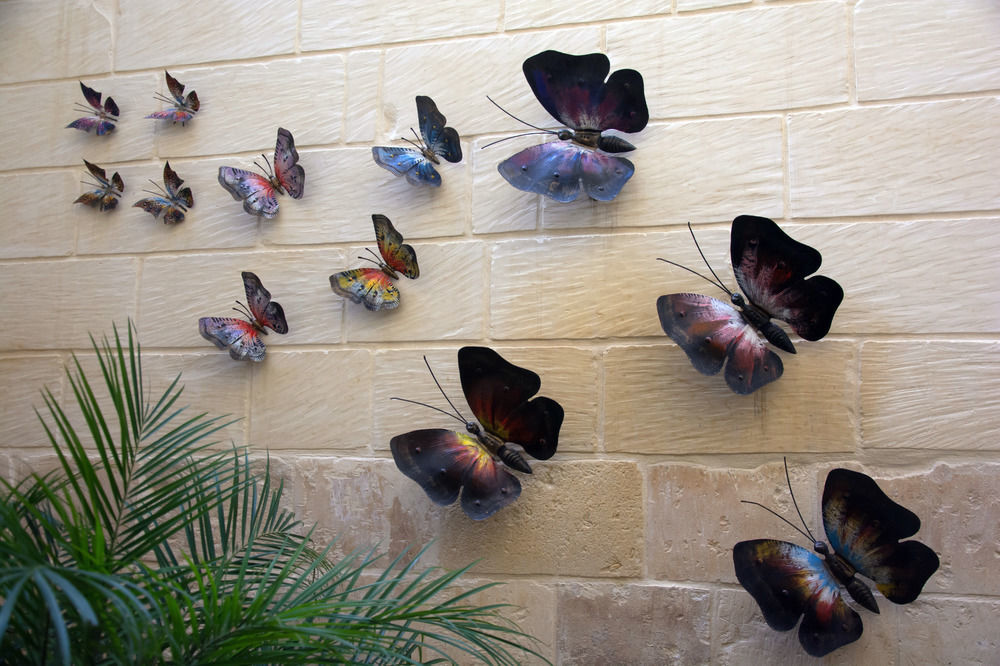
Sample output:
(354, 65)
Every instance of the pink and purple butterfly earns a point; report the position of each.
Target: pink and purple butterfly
(417, 163)
(184, 107)
(574, 91)
(864, 528)
(173, 202)
(259, 193)
(102, 118)
(108, 191)
(242, 337)
(771, 268)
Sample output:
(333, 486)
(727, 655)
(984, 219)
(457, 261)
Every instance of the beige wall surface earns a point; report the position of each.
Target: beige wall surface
(869, 129)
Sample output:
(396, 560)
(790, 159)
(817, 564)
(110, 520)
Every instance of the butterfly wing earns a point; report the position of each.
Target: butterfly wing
(173, 115)
(254, 190)
(407, 162)
(173, 182)
(573, 90)
(710, 332)
(97, 172)
(788, 582)
(864, 526)
(442, 140)
(152, 205)
(499, 394)
(291, 175)
(368, 286)
(87, 123)
(265, 311)
(176, 88)
(92, 96)
(110, 108)
(236, 335)
(442, 462)
(559, 169)
(771, 268)
(91, 198)
(398, 255)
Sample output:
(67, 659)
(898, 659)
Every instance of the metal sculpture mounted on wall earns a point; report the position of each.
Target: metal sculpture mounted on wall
(373, 287)
(242, 336)
(183, 109)
(259, 192)
(102, 118)
(435, 140)
(108, 191)
(173, 202)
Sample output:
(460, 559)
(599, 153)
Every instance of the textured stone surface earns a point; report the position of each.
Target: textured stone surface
(949, 630)
(363, 70)
(24, 379)
(52, 230)
(529, 14)
(691, 5)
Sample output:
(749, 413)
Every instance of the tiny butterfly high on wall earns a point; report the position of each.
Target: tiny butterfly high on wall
(242, 337)
(447, 462)
(108, 191)
(771, 269)
(372, 286)
(102, 118)
(173, 202)
(183, 109)
(864, 528)
(259, 193)
(417, 163)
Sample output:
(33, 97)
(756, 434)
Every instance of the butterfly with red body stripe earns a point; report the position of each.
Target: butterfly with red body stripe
(242, 337)
(102, 118)
(259, 193)
(183, 109)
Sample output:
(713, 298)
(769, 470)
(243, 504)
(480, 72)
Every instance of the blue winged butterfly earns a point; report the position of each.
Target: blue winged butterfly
(574, 91)
(102, 119)
(446, 463)
(771, 268)
(108, 191)
(259, 192)
(183, 109)
(864, 528)
(242, 337)
(172, 202)
(435, 140)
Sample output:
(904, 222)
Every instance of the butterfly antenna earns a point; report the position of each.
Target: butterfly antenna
(793, 525)
(541, 129)
(164, 98)
(245, 311)
(159, 193)
(424, 404)
(83, 107)
(418, 146)
(719, 281)
(427, 363)
(794, 503)
(491, 143)
(691, 270)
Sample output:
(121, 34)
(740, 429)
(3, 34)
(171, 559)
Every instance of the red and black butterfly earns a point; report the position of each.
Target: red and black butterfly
(175, 200)
(183, 109)
(242, 337)
(447, 462)
(771, 269)
(259, 193)
(102, 118)
(373, 287)
(108, 191)
(864, 528)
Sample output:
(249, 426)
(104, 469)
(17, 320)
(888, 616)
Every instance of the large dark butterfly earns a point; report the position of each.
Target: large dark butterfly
(417, 163)
(105, 197)
(183, 109)
(373, 287)
(175, 200)
(573, 90)
(242, 337)
(259, 193)
(446, 462)
(102, 118)
(771, 269)
(864, 528)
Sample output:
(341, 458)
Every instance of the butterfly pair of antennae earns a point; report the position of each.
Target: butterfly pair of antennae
(437, 409)
(541, 130)
(807, 534)
(717, 281)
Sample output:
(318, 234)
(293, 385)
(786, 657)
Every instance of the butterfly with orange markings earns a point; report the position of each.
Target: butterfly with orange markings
(242, 337)
(373, 287)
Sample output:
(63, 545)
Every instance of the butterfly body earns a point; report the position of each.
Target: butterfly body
(184, 107)
(436, 140)
(258, 192)
(864, 528)
(771, 269)
(108, 191)
(242, 336)
(446, 463)
(373, 287)
(173, 203)
(574, 91)
(102, 118)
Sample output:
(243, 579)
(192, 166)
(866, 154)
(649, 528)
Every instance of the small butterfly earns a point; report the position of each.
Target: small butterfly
(447, 462)
(259, 192)
(864, 527)
(573, 90)
(103, 119)
(105, 197)
(242, 337)
(417, 163)
(771, 269)
(372, 286)
(184, 108)
(175, 201)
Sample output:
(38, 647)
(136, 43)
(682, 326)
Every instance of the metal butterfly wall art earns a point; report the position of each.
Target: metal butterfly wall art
(446, 463)
(574, 91)
(258, 192)
(173, 202)
(435, 140)
(108, 191)
(864, 528)
(183, 109)
(102, 118)
(771, 268)
(373, 287)
(242, 336)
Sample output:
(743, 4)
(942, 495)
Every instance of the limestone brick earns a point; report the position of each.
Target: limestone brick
(52, 230)
(24, 379)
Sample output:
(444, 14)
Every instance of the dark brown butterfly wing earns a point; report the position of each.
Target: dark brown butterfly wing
(499, 394)
(788, 582)
(443, 461)
(771, 269)
(265, 311)
(864, 526)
